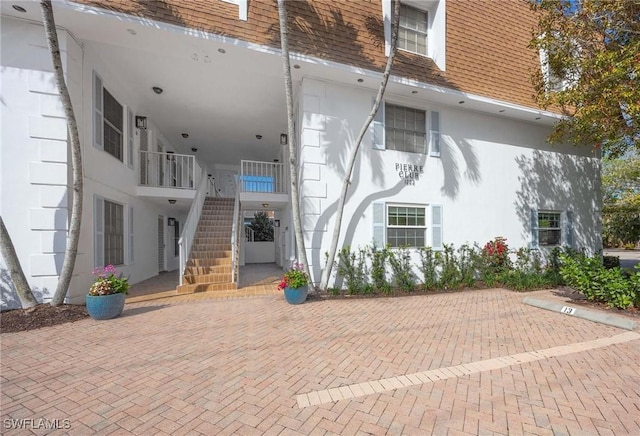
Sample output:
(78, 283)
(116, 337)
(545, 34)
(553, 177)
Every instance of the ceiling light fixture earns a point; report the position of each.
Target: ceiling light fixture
(131, 31)
(157, 90)
(414, 92)
(265, 205)
(19, 8)
(172, 201)
(296, 66)
(501, 110)
(258, 136)
(537, 118)
(194, 149)
(360, 80)
(461, 102)
(221, 50)
(185, 135)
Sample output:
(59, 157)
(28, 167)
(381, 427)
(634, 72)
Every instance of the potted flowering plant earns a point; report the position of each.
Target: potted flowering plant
(107, 293)
(295, 284)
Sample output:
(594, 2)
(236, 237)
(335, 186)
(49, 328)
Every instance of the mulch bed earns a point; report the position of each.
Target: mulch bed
(45, 315)
(42, 315)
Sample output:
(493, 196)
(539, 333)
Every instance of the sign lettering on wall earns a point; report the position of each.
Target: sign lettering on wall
(409, 172)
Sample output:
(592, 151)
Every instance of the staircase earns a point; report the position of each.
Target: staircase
(209, 266)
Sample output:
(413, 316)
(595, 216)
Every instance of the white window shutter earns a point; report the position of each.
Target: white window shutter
(98, 226)
(130, 130)
(98, 118)
(377, 128)
(130, 234)
(436, 227)
(568, 228)
(434, 134)
(378, 224)
(534, 228)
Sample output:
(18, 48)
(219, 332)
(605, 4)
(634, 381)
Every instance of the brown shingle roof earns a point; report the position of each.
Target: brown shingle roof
(487, 40)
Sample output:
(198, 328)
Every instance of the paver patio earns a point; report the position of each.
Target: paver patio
(375, 366)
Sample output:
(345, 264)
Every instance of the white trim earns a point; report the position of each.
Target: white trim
(437, 227)
(386, 18)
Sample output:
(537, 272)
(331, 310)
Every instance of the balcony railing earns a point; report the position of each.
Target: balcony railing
(167, 170)
(266, 177)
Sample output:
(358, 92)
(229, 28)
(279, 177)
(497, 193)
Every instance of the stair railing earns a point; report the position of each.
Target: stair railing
(235, 240)
(191, 224)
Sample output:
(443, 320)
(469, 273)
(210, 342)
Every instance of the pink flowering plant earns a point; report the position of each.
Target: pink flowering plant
(108, 282)
(294, 278)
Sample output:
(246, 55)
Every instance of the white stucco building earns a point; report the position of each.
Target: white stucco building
(177, 101)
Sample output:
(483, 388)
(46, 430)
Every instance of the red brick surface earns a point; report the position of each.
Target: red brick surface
(237, 365)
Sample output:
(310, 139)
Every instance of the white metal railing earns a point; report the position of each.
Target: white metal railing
(249, 234)
(234, 234)
(191, 224)
(263, 177)
(168, 170)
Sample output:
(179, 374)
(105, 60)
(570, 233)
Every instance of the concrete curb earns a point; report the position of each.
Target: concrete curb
(602, 318)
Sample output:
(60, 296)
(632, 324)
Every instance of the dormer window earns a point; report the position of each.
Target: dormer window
(422, 28)
(412, 34)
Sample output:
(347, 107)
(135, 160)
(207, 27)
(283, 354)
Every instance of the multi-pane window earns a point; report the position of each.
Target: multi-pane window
(412, 33)
(549, 230)
(113, 125)
(113, 233)
(406, 226)
(405, 129)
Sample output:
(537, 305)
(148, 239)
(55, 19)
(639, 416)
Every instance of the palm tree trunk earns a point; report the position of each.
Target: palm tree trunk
(73, 236)
(15, 270)
(293, 153)
(326, 273)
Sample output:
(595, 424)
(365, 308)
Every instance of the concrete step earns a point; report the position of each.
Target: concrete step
(207, 278)
(209, 254)
(212, 269)
(206, 287)
(204, 248)
(204, 262)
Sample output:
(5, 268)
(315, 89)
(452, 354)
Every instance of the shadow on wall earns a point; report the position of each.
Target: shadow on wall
(555, 181)
(451, 169)
(8, 295)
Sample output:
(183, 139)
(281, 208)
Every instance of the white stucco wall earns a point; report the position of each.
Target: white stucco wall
(491, 173)
(34, 170)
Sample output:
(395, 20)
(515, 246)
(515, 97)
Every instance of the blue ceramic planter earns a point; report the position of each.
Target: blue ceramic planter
(296, 295)
(105, 306)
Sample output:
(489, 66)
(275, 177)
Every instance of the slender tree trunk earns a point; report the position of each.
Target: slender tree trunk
(326, 273)
(293, 153)
(15, 270)
(73, 236)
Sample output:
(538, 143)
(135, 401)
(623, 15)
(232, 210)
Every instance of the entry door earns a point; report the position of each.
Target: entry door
(161, 243)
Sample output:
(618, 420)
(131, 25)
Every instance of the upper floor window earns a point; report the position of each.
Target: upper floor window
(109, 123)
(412, 32)
(113, 125)
(418, 20)
(405, 129)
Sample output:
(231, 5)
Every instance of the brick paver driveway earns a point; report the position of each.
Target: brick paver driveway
(476, 362)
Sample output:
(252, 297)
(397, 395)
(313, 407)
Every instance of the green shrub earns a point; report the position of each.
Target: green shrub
(589, 276)
(611, 262)
(449, 272)
(400, 261)
(379, 259)
(466, 265)
(352, 267)
(428, 268)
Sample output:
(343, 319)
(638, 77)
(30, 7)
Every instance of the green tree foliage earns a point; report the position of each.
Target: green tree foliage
(594, 47)
(262, 225)
(621, 198)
